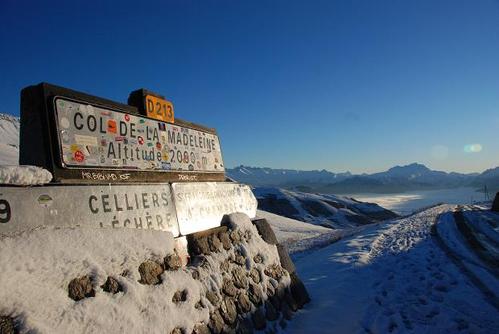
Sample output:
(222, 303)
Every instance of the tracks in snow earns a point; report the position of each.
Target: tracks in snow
(391, 278)
(417, 288)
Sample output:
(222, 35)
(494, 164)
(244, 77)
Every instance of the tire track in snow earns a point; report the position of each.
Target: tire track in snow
(418, 286)
(490, 296)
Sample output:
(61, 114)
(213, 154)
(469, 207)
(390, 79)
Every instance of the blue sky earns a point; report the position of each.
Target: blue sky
(339, 85)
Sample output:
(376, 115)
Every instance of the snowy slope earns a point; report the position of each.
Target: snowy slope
(300, 237)
(289, 230)
(9, 140)
(470, 236)
(392, 278)
(327, 210)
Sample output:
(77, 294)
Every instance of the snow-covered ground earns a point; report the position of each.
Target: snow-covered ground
(392, 277)
(9, 140)
(37, 265)
(302, 237)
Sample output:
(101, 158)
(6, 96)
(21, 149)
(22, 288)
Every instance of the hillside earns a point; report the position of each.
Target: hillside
(336, 212)
(9, 140)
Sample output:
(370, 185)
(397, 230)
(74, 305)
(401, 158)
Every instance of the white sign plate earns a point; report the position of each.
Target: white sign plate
(131, 206)
(92, 136)
(201, 206)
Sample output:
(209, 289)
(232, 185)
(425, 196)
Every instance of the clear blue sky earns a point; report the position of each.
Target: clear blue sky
(340, 85)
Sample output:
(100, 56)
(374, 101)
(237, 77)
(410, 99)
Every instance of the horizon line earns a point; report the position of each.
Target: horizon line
(327, 170)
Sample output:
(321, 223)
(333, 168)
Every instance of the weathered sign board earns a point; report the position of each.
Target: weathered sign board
(79, 137)
(147, 206)
(91, 136)
(201, 206)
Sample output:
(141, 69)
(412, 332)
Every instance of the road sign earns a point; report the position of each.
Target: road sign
(202, 205)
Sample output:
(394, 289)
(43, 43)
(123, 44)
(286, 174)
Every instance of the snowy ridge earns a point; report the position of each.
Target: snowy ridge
(327, 210)
(9, 140)
(9, 129)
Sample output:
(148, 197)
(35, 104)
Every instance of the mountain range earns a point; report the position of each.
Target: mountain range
(397, 179)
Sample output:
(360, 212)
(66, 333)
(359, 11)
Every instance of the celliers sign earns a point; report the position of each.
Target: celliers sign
(119, 206)
(82, 137)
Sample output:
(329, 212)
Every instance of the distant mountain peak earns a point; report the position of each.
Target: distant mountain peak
(414, 167)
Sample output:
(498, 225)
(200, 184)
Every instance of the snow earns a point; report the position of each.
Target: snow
(9, 140)
(465, 256)
(38, 264)
(24, 175)
(288, 230)
(301, 237)
(391, 277)
(485, 222)
(9, 128)
(337, 212)
(9, 154)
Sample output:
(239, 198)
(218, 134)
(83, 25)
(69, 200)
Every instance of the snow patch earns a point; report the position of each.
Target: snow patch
(24, 175)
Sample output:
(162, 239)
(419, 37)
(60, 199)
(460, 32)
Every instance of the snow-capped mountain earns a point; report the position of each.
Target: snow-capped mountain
(281, 177)
(326, 210)
(418, 172)
(9, 140)
(397, 179)
(402, 178)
